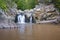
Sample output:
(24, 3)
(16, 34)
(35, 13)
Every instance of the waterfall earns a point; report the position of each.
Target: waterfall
(21, 19)
(31, 19)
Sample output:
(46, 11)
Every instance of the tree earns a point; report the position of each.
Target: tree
(57, 4)
(26, 4)
(3, 4)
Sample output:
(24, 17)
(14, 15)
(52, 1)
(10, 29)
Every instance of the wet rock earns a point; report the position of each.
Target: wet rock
(7, 24)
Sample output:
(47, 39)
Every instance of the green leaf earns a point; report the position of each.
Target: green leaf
(26, 4)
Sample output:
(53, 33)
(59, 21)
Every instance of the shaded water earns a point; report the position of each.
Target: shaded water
(32, 32)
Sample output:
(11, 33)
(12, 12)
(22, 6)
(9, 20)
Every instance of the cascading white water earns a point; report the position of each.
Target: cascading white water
(31, 19)
(21, 19)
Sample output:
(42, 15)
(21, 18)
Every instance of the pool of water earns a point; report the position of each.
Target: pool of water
(31, 32)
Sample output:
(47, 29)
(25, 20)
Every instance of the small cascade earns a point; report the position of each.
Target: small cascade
(21, 19)
(31, 19)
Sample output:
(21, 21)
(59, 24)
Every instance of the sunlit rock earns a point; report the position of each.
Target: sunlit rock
(49, 8)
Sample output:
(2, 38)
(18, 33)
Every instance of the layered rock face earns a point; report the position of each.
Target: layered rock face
(46, 12)
(5, 21)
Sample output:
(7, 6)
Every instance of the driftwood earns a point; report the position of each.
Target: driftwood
(48, 21)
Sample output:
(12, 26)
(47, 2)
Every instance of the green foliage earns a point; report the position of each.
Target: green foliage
(21, 4)
(3, 4)
(6, 4)
(57, 4)
(26, 4)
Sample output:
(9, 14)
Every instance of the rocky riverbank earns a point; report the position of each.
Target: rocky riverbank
(41, 13)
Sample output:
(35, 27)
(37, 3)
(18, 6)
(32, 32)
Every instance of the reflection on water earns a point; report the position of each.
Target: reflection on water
(21, 28)
(24, 27)
(31, 32)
